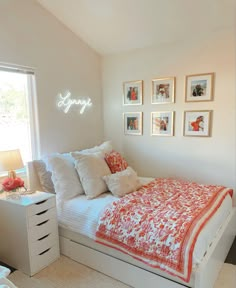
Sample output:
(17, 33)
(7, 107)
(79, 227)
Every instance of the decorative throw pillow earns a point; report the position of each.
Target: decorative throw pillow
(43, 166)
(65, 178)
(44, 176)
(122, 183)
(91, 168)
(115, 161)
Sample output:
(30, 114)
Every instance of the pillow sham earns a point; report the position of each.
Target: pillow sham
(105, 147)
(122, 183)
(91, 168)
(43, 167)
(115, 161)
(44, 176)
(44, 173)
(65, 178)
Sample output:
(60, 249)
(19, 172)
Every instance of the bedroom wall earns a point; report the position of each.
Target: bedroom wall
(30, 36)
(205, 159)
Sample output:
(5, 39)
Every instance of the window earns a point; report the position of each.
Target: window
(18, 113)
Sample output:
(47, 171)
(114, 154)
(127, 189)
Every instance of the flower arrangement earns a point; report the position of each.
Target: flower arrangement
(12, 184)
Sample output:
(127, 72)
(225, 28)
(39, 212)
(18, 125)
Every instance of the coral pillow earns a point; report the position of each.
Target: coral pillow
(115, 162)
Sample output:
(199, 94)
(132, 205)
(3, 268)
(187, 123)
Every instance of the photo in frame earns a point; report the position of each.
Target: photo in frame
(199, 87)
(133, 123)
(133, 92)
(162, 123)
(197, 123)
(163, 90)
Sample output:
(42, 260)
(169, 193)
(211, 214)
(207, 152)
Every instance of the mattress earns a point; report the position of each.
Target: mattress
(81, 216)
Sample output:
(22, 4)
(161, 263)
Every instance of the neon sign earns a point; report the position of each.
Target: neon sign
(65, 102)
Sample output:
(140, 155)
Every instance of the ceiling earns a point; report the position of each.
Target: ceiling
(114, 26)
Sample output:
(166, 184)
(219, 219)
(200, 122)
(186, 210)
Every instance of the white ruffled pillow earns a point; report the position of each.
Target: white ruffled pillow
(91, 168)
(64, 177)
(44, 176)
(122, 183)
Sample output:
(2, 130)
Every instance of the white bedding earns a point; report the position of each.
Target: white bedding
(81, 215)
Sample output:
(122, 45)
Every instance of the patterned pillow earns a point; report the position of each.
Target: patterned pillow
(115, 162)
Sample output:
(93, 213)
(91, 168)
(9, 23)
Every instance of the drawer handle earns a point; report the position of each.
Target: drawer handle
(40, 213)
(45, 251)
(43, 237)
(41, 202)
(44, 222)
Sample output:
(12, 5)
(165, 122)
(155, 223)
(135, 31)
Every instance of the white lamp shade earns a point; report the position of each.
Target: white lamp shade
(10, 160)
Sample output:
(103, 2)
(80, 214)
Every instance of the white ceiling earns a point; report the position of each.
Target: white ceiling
(113, 26)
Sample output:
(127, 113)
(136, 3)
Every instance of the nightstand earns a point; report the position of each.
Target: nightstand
(29, 232)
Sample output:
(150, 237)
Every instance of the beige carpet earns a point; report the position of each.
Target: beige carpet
(70, 274)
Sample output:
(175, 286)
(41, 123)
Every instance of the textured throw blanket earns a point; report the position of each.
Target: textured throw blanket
(159, 223)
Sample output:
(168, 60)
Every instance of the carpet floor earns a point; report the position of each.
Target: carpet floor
(67, 273)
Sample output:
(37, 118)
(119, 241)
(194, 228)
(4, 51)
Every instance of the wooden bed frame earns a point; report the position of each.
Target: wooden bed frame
(203, 276)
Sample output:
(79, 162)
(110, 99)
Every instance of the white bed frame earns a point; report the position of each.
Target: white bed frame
(204, 276)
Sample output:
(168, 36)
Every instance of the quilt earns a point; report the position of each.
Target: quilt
(159, 223)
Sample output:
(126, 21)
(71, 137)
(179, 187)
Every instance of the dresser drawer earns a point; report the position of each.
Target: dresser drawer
(41, 206)
(43, 243)
(44, 259)
(42, 229)
(42, 216)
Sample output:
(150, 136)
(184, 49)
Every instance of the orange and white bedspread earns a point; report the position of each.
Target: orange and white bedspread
(159, 223)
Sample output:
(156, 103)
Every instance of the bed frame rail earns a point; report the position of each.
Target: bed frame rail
(204, 276)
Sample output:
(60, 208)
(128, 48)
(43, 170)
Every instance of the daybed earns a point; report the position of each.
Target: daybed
(76, 230)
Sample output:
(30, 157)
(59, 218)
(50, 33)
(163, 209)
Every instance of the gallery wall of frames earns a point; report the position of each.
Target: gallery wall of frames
(198, 88)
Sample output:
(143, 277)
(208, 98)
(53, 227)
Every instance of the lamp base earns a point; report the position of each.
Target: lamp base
(12, 174)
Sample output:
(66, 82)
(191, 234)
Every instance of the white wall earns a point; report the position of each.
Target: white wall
(205, 159)
(30, 36)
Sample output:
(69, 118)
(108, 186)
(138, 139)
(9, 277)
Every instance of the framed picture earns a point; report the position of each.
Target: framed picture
(162, 123)
(197, 123)
(163, 90)
(199, 87)
(133, 123)
(133, 92)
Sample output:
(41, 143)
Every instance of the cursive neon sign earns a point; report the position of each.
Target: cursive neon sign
(66, 102)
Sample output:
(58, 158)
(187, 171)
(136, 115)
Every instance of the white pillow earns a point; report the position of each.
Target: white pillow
(44, 176)
(44, 169)
(123, 182)
(105, 147)
(91, 168)
(65, 178)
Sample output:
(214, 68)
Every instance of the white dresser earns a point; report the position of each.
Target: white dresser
(29, 232)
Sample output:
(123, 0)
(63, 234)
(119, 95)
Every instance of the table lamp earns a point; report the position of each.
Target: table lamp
(10, 161)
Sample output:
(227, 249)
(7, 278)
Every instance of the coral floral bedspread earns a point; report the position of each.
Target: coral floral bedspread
(159, 223)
